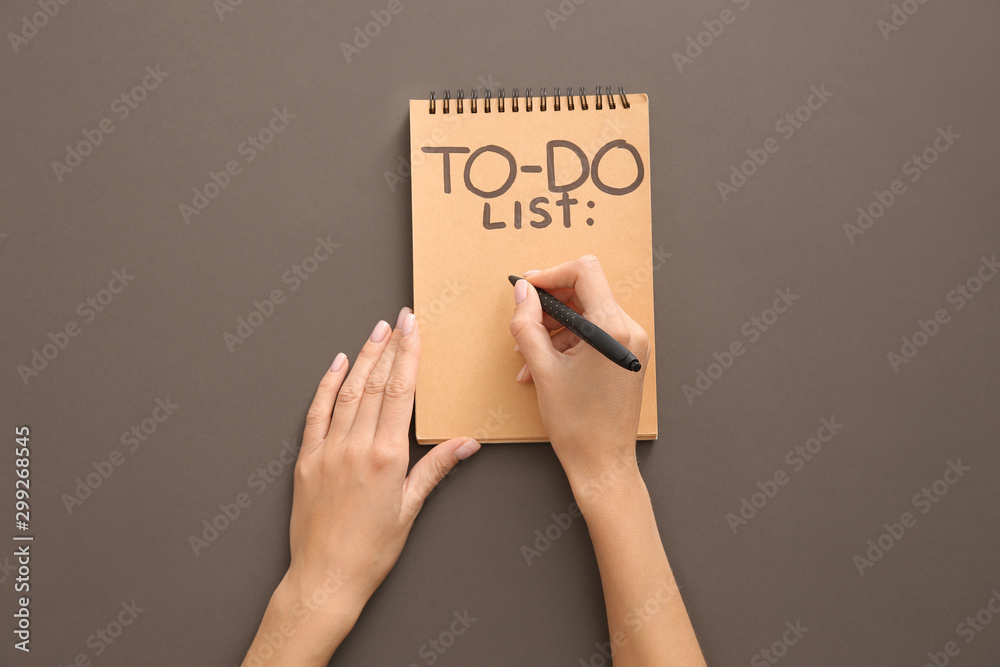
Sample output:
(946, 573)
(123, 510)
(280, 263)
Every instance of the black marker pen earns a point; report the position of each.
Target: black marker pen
(588, 332)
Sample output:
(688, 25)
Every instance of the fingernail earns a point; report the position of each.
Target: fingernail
(402, 316)
(520, 291)
(517, 348)
(381, 329)
(467, 449)
(408, 323)
(531, 273)
(521, 374)
(338, 362)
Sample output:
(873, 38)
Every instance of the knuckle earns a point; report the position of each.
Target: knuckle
(349, 395)
(375, 383)
(517, 325)
(590, 263)
(383, 455)
(427, 483)
(316, 416)
(625, 337)
(397, 387)
(641, 338)
(441, 470)
(345, 459)
(619, 330)
(301, 473)
(345, 455)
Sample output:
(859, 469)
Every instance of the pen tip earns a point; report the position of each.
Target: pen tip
(513, 279)
(635, 365)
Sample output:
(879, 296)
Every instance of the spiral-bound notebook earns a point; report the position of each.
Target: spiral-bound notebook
(505, 184)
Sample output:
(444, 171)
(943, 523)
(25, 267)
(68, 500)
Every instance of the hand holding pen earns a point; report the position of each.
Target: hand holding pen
(590, 407)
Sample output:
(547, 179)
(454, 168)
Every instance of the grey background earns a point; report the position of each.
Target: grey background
(325, 176)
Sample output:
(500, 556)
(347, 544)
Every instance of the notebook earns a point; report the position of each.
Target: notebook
(502, 185)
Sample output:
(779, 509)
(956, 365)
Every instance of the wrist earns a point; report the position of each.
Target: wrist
(329, 599)
(607, 483)
(305, 620)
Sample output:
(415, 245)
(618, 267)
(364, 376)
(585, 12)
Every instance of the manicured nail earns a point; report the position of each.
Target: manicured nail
(521, 374)
(381, 329)
(467, 449)
(409, 323)
(402, 316)
(338, 362)
(520, 291)
(531, 273)
(517, 348)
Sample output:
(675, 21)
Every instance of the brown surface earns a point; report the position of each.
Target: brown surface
(324, 177)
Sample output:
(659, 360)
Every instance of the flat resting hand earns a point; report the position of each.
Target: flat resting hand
(353, 503)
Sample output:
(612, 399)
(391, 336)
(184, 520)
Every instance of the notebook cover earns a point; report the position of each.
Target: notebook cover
(461, 259)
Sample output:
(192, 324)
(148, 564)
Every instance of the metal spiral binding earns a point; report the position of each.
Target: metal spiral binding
(542, 104)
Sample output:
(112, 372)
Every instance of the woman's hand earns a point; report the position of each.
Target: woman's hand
(353, 503)
(589, 405)
(590, 408)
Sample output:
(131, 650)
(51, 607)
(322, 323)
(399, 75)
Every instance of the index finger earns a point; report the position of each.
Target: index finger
(585, 276)
(397, 397)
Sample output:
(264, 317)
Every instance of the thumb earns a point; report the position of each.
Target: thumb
(526, 326)
(428, 472)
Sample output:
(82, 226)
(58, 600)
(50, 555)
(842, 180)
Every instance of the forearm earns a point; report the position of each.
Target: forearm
(647, 621)
(301, 628)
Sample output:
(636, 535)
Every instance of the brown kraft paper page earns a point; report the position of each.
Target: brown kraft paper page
(473, 174)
